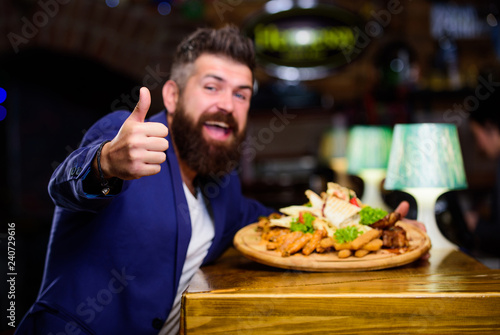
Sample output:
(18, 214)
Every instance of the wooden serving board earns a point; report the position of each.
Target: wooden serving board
(248, 241)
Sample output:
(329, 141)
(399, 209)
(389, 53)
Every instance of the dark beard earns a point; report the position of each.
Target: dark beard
(207, 158)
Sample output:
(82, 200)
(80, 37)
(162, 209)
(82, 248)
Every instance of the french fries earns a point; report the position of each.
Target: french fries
(288, 243)
(289, 239)
(328, 216)
(297, 245)
(314, 242)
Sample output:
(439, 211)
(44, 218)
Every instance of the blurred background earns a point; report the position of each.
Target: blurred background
(66, 63)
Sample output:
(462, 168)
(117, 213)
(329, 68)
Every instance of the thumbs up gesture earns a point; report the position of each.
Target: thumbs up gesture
(139, 147)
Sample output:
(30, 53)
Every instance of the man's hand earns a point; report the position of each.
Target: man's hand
(139, 147)
(403, 209)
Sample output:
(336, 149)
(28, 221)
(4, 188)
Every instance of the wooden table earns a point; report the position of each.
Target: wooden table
(451, 293)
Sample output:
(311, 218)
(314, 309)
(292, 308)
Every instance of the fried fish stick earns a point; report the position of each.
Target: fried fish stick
(344, 253)
(297, 245)
(326, 243)
(342, 246)
(373, 245)
(313, 242)
(361, 253)
(289, 239)
(365, 238)
(320, 249)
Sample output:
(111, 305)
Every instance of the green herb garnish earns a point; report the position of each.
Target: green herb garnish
(347, 234)
(303, 223)
(369, 215)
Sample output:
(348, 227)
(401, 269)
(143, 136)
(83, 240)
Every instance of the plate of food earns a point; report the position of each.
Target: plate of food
(333, 232)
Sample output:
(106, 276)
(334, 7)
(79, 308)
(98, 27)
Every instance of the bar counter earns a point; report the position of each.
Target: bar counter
(450, 293)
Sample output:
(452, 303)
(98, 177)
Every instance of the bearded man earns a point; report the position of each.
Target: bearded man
(143, 203)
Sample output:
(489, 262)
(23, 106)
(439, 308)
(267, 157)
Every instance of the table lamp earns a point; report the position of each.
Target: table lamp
(368, 150)
(333, 152)
(426, 161)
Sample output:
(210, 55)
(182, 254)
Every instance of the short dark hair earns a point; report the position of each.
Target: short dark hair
(226, 41)
(488, 110)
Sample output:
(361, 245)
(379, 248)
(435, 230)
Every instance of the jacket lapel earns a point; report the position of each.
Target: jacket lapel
(182, 211)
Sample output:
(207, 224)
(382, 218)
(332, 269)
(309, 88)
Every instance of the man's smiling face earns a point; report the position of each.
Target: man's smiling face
(210, 118)
(218, 85)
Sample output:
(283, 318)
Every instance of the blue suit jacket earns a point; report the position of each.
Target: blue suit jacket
(113, 263)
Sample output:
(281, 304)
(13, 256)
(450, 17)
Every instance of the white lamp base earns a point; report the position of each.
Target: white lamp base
(426, 200)
(372, 196)
(339, 165)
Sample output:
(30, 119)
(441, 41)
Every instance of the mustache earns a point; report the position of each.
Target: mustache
(227, 118)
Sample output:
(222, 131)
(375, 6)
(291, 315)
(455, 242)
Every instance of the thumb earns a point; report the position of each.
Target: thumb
(403, 208)
(141, 109)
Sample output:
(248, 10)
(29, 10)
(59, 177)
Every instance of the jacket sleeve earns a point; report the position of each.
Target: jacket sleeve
(252, 209)
(67, 186)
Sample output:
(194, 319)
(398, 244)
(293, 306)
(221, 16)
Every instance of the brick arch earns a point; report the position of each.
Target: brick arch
(127, 38)
(134, 40)
(84, 52)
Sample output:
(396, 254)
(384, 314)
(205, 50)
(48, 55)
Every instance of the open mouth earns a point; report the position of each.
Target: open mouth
(218, 130)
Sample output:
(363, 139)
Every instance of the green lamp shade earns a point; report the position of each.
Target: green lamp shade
(425, 155)
(368, 147)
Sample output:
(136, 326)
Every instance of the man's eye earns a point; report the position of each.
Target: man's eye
(241, 96)
(211, 88)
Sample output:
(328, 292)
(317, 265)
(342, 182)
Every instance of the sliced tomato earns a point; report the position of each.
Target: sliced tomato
(301, 217)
